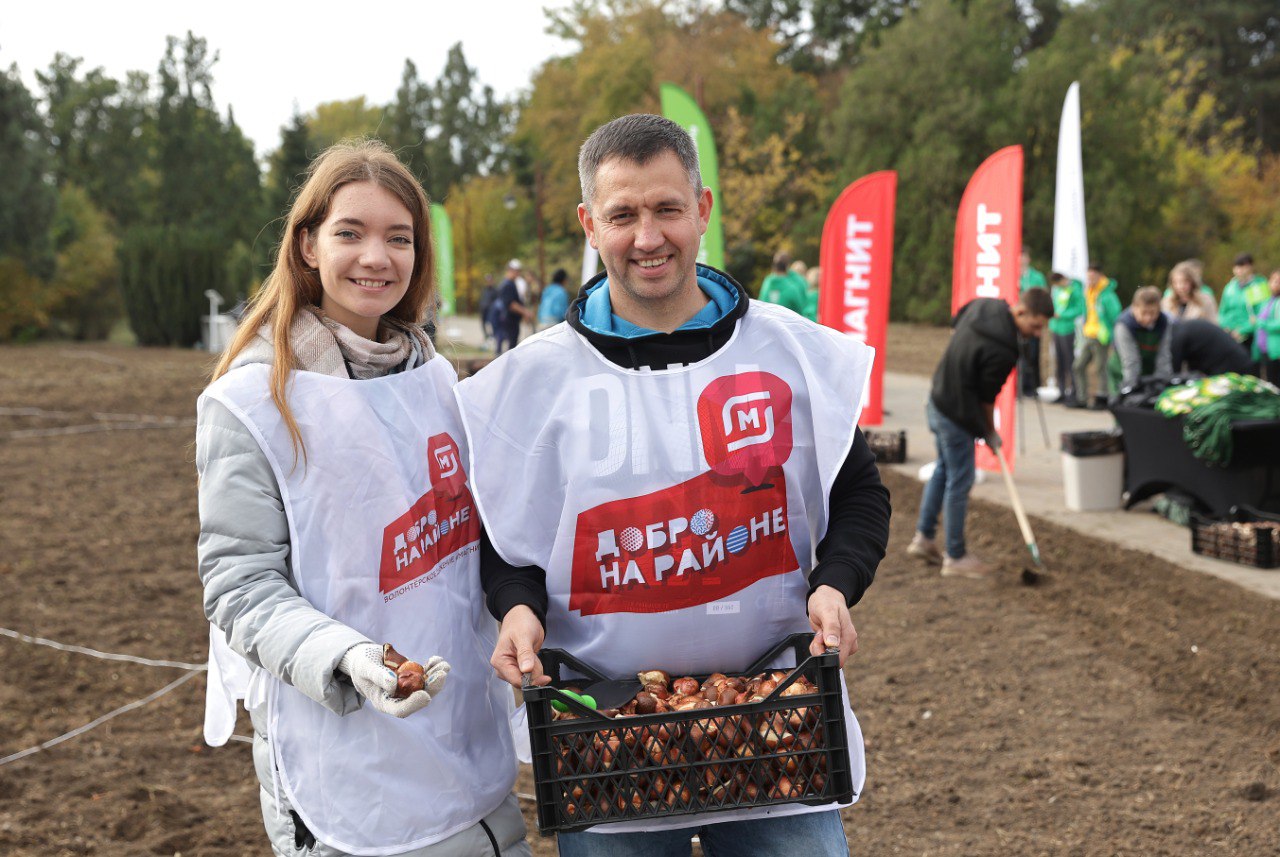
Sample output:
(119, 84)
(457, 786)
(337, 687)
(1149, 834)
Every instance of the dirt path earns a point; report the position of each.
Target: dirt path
(1128, 707)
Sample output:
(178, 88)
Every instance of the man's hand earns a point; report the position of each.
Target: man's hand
(375, 682)
(519, 640)
(829, 618)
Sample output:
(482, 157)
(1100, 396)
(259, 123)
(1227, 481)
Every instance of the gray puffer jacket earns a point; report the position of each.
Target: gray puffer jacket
(243, 551)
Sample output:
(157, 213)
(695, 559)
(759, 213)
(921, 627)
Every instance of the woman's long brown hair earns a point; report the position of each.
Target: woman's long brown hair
(293, 285)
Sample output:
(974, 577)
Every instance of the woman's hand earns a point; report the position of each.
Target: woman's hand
(376, 683)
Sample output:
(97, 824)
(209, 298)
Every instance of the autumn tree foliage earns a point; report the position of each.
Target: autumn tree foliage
(1181, 144)
(626, 48)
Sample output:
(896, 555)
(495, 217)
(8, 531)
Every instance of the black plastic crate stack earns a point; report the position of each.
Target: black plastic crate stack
(889, 447)
(786, 749)
(1246, 536)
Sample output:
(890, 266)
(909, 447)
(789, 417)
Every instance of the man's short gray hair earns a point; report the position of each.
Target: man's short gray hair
(638, 138)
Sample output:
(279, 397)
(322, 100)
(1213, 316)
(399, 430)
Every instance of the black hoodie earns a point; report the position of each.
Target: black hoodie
(858, 518)
(982, 352)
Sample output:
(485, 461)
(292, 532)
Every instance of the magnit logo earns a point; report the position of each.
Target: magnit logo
(745, 423)
(447, 475)
(748, 419)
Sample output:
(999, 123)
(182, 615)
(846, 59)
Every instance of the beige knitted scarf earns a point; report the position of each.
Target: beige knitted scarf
(323, 345)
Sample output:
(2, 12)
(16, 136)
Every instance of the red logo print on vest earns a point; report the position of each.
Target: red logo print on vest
(440, 528)
(708, 537)
(745, 421)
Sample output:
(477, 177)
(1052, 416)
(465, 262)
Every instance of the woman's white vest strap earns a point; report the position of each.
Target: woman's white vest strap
(384, 537)
(676, 512)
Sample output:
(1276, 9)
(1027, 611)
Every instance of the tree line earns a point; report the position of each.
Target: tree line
(130, 198)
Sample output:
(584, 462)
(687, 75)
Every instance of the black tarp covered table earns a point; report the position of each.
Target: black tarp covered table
(1157, 459)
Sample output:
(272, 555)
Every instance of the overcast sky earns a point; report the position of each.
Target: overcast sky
(273, 55)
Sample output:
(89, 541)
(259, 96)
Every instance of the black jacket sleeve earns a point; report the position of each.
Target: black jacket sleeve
(857, 526)
(506, 585)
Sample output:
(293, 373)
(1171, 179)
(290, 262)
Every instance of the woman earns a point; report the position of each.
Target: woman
(1186, 297)
(335, 516)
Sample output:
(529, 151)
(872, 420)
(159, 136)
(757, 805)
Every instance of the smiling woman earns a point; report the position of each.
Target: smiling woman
(335, 518)
(364, 253)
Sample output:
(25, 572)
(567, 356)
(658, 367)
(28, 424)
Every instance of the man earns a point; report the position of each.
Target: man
(1068, 305)
(1101, 309)
(512, 307)
(1242, 296)
(975, 365)
(1201, 346)
(665, 467)
(784, 287)
(1030, 369)
(1143, 342)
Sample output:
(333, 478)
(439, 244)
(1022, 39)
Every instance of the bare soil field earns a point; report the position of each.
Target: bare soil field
(1124, 707)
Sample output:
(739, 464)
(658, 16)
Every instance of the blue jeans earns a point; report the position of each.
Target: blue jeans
(814, 834)
(952, 480)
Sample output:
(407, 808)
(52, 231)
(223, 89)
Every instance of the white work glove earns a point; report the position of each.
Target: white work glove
(375, 682)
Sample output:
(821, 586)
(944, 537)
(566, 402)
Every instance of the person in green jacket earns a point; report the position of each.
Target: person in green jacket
(1101, 309)
(783, 287)
(812, 279)
(1068, 305)
(1266, 337)
(1029, 377)
(1242, 297)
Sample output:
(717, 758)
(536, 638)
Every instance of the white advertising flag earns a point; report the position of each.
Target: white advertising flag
(590, 261)
(1070, 238)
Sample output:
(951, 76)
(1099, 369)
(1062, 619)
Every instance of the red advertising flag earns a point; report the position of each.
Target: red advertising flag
(857, 270)
(988, 243)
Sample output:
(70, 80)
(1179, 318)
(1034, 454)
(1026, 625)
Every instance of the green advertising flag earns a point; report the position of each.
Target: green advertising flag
(442, 241)
(684, 111)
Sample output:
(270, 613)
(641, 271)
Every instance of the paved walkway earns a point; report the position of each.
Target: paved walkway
(1038, 473)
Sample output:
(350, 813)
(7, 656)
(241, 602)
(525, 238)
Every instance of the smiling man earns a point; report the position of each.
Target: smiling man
(676, 474)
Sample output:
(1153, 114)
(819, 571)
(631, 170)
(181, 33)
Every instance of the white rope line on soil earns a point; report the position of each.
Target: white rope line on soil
(103, 422)
(94, 653)
(62, 415)
(96, 427)
(52, 742)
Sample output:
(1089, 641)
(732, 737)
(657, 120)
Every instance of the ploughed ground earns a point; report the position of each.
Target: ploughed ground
(1125, 707)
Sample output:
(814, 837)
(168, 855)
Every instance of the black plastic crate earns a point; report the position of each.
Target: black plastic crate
(1246, 536)
(889, 447)
(595, 769)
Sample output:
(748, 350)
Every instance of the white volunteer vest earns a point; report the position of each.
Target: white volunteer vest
(677, 511)
(384, 537)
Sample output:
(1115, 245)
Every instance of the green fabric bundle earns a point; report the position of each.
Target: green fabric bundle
(1185, 398)
(1207, 429)
(1212, 404)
